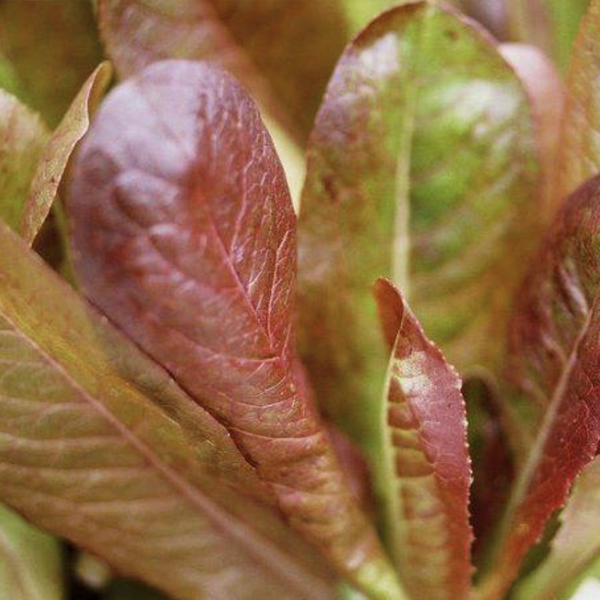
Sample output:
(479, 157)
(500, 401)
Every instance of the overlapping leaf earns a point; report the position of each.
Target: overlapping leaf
(554, 363)
(185, 235)
(52, 47)
(30, 561)
(57, 153)
(427, 465)
(580, 149)
(422, 167)
(99, 446)
(575, 546)
(137, 33)
(22, 139)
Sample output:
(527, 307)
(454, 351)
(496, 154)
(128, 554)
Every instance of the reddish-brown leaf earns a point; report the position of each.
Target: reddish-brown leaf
(555, 366)
(426, 489)
(185, 235)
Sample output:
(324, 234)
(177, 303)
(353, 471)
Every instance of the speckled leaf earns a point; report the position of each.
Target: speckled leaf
(137, 33)
(428, 473)
(57, 153)
(580, 148)
(99, 446)
(22, 139)
(30, 561)
(576, 545)
(53, 47)
(185, 235)
(555, 365)
(422, 168)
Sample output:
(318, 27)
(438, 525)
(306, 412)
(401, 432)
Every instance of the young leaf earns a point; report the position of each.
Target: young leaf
(99, 446)
(53, 47)
(57, 153)
(554, 363)
(30, 561)
(422, 167)
(580, 154)
(23, 137)
(575, 546)
(137, 33)
(427, 463)
(185, 235)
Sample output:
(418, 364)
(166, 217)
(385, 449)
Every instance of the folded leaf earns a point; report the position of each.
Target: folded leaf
(492, 14)
(137, 33)
(185, 236)
(22, 139)
(57, 153)
(575, 546)
(580, 152)
(427, 469)
(53, 47)
(554, 364)
(30, 561)
(422, 167)
(99, 446)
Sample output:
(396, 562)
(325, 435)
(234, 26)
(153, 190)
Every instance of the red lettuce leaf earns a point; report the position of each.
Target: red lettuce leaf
(555, 367)
(428, 472)
(184, 234)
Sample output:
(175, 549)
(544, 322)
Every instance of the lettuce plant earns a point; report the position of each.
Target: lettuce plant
(298, 300)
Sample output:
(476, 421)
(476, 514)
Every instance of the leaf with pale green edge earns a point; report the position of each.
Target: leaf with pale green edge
(580, 149)
(53, 47)
(23, 137)
(422, 167)
(554, 372)
(99, 446)
(30, 561)
(576, 545)
(425, 472)
(57, 153)
(137, 33)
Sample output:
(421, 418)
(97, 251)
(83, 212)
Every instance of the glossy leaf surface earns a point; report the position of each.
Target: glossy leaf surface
(580, 148)
(57, 153)
(427, 462)
(421, 168)
(53, 47)
(99, 446)
(185, 235)
(554, 365)
(30, 561)
(22, 139)
(575, 546)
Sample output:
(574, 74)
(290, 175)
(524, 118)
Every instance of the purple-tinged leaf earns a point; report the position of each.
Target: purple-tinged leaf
(427, 469)
(575, 546)
(57, 153)
(554, 365)
(185, 236)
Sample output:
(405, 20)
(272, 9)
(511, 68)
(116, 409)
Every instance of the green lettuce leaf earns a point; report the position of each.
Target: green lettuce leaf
(422, 167)
(99, 446)
(30, 561)
(55, 157)
(23, 137)
(52, 48)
